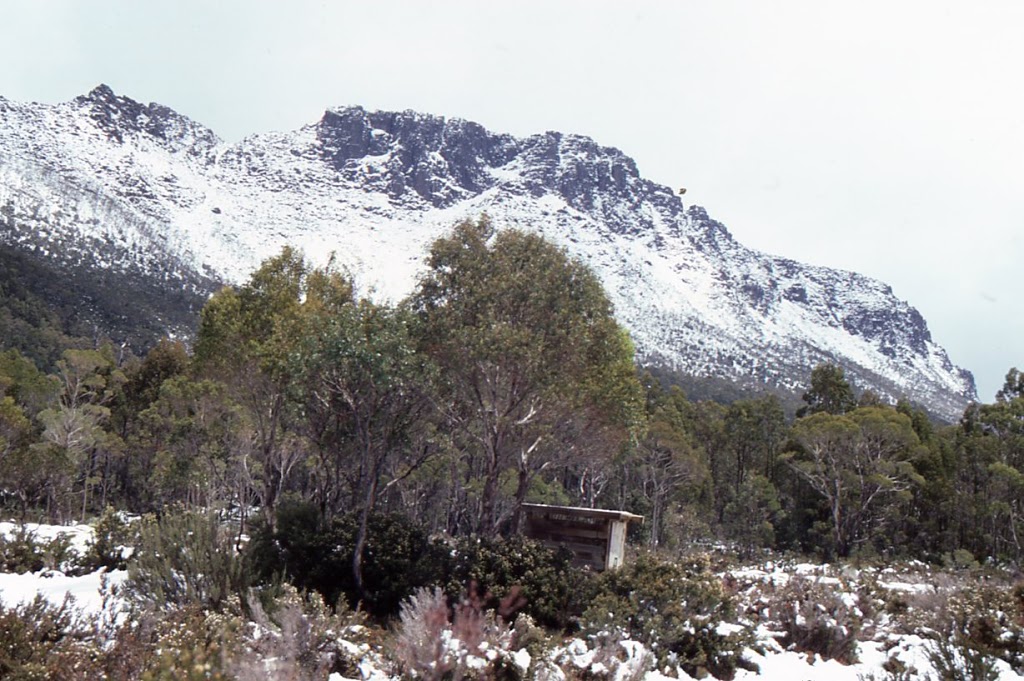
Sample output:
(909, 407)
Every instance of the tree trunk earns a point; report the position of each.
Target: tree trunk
(522, 487)
(488, 498)
(361, 536)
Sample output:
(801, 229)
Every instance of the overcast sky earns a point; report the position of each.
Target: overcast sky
(882, 137)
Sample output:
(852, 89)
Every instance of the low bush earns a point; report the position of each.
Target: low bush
(547, 586)
(185, 559)
(674, 609)
(113, 539)
(420, 647)
(188, 644)
(960, 559)
(22, 551)
(981, 622)
(297, 637)
(37, 638)
(893, 669)
(399, 558)
(954, 658)
(434, 642)
(816, 619)
(317, 555)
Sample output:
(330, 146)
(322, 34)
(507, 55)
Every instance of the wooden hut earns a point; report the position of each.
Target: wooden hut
(597, 537)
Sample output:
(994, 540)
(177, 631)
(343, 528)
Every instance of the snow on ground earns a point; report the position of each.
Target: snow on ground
(882, 638)
(80, 535)
(53, 584)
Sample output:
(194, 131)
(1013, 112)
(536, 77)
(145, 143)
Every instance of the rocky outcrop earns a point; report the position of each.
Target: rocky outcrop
(144, 189)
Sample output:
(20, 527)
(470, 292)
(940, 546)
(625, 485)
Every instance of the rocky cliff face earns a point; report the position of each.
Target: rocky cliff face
(112, 183)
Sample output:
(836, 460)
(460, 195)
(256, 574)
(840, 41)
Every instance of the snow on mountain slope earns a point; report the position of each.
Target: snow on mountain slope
(142, 188)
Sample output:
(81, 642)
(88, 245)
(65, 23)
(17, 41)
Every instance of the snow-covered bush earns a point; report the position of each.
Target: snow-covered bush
(38, 637)
(979, 621)
(23, 551)
(419, 646)
(112, 541)
(818, 617)
(298, 637)
(603, 657)
(676, 609)
(466, 642)
(893, 669)
(954, 659)
(188, 644)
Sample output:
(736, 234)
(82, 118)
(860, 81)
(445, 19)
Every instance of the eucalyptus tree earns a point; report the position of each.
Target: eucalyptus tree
(990, 446)
(367, 389)
(144, 378)
(24, 392)
(18, 468)
(533, 367)
(856, 462)
(829, 392)
(246, 339)
(671, 468)
(74, 427)
(192, 429)
(1013, 387)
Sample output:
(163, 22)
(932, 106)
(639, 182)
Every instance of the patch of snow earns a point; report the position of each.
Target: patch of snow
(86, 589)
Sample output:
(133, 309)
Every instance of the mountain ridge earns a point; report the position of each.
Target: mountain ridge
(163, 194)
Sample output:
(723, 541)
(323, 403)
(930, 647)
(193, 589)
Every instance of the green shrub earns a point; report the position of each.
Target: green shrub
(960, 559)
(23, 551)
(399, 558)
(112, 534)
(316, 555)
(185, 559)
(60, 554)
(547, 587)
(673, 608)
(34, 635)
(292, 548)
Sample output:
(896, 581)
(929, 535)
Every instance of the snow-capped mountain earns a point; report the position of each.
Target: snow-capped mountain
(108, 182)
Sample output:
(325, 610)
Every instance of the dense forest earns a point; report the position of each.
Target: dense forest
(337, 441)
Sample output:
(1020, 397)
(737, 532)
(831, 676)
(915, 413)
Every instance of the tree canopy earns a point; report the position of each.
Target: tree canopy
(533, 365)
(829, 392)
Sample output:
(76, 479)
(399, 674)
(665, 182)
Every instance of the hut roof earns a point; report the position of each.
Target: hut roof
(579, 511)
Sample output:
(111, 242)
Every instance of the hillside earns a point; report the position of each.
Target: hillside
(107, 183)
